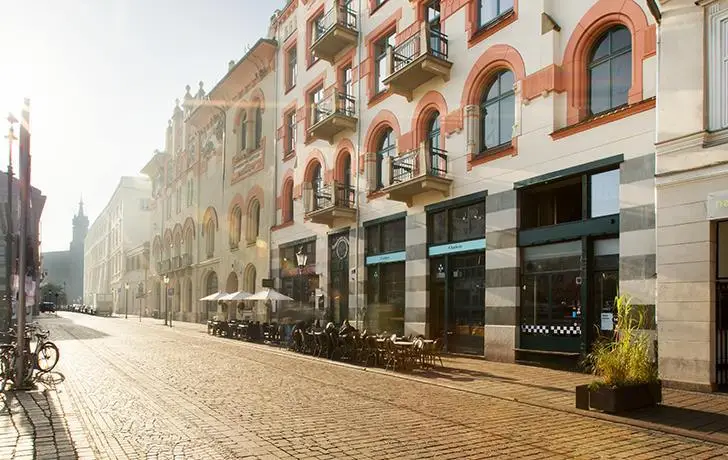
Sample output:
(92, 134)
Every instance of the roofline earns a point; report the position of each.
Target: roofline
(260, 42)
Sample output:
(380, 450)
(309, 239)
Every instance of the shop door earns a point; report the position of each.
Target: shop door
(338, 277)
(721, 336)
(604, 288)
(438, 289)
(466, 309)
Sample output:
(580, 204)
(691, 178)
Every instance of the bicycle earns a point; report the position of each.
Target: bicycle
(43, 358)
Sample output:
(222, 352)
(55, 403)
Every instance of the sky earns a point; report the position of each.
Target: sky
(102, 77)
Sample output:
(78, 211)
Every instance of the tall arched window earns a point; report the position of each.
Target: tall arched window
(432, 141)
(210, 238)
(287, 204)
(235, 226)
(385, 148)
(253, 221)
(610, 70)
(258, 125)
(243, 130)
(346, 170)
(188, 242)
(497, 112)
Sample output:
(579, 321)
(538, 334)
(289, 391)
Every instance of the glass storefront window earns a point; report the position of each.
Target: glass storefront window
(385, 299)
(551, 298)
(458, 224)
(385, 237)
(552, 204)
(604, 193)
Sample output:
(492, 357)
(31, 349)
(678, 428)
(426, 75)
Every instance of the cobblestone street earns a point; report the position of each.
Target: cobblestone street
(140, 390)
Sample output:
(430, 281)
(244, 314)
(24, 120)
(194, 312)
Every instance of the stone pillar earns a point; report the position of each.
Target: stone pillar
(416, 295)
(471, 122)
(502, 276)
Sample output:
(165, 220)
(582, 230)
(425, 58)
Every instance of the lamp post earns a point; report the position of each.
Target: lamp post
(302, 258)
(126, 300)
(165, 280)
(140, 294)
(9, 232)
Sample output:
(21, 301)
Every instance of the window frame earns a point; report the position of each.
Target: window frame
(483, 150)
(717, 92)
(501, 13)
(591, 64)
(291, 66)
(389, 151)
(290, 133)
(258, 133)
(381, 58)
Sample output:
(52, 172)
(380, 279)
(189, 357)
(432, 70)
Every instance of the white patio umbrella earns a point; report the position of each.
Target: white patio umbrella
(269, 294)
(216, 296)
(239, 295)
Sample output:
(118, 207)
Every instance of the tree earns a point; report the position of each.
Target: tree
(50, 292)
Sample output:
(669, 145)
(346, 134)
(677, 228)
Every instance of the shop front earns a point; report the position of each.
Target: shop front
(385, 271)
(456, 252)
(717, 207)
(338, 309)
(299, 280)
(569, 248)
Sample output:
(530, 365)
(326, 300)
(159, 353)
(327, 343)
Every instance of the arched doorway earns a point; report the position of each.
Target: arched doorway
(231, 285)
(249, 286)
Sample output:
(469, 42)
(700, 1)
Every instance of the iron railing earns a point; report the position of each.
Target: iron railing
(330, 195)
(337, 15)
(436, 45)
(407, 166)
(336, 103)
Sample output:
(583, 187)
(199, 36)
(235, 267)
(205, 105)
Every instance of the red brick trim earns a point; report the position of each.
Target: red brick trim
(343, 148)
(314, 157)
(382, 120)
(603, 119)
(291, 43)
(310, 61)
(282, 226)
(210, 214)
(542, 81)
(236, 201)
(287, 110)
(495, 58)
(306, 106)
(602, 16)
(286, 213)
(432, 101)
(509, 150)
(391, 24)
(258, 94)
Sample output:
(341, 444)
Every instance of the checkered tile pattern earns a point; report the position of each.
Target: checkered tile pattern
(573, 330)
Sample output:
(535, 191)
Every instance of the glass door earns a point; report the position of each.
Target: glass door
(338, 277)
(466, 312)
(438, 289)
(604, 288)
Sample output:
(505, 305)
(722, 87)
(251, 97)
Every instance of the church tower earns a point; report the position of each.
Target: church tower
(74, 291)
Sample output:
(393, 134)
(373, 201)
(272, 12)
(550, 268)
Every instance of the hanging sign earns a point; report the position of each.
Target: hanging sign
(454, 248)
(717, 205)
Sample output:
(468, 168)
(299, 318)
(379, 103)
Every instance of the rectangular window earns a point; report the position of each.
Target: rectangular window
(489, 10)
(462, 223)
(315, 26)
(381, 70)
(552, 204)
(347, 80)
(718, 69)
(314, 98)
(604, 193)
(386, 237)
(292, 67)
(290, 135)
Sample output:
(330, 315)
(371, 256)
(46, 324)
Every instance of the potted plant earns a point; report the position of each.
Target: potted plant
(626, 373)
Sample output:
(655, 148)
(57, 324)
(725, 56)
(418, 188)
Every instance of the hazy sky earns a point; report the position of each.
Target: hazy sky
(102, 76)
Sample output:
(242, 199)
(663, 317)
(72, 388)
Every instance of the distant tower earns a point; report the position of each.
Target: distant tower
(75, 276)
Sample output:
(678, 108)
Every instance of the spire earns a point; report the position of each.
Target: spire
(80, 207)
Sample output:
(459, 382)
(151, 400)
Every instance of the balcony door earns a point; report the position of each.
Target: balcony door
(432, 13)
(433, 144)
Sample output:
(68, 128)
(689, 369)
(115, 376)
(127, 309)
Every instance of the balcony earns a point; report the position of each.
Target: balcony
(329, 204)
(186, 260)
(332, 115)
(417, 60)
(420, 171)
(176, 262)
(335, 33)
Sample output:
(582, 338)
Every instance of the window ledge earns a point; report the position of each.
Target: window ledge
(377, 98)
(234, 248)
(714, 138)
(377, 7)
(376, 194)
(283, 225)
(490, 28)
(509, 149)
(250, 244)
(289, 156)
(604, 118)
(289, 89)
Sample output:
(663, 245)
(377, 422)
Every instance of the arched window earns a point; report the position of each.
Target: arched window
(210, 238)
(243, 130)
(253, 221)
(287, 204)
(610, 70)
(497, 112)
(258, 125)
(235, 227)
(249, 279)
(432, 141)
(385, 148)
(188, 243)
(211, 284)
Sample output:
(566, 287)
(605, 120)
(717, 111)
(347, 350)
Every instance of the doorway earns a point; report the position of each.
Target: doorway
(338, 277)
(721, 308)
(604, 288)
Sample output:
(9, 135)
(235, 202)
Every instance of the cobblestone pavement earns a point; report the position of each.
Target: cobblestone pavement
(145, 391)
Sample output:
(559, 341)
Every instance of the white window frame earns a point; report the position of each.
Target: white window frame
(718, 65)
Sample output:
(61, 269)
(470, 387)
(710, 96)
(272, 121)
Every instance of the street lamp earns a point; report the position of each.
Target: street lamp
(302, 258)
(9, 232)
(140, 293)
(126, 300)
(165, 280)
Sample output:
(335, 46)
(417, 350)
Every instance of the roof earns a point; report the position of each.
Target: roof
(155, 163)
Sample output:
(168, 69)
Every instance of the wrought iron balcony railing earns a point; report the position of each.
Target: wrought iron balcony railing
(342, 16)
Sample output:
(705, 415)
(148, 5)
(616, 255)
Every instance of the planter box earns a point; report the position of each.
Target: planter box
(622, 399)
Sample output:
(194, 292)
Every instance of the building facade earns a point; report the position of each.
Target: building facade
(122, 226)
(212, 200)
(481, 171)
(692, 193)
(65, 268)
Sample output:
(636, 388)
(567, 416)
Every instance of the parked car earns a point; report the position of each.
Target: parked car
(47, 307)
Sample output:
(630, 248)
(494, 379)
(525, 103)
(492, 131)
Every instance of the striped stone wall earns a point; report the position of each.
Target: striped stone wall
(637, 246)
(502, 277)
(416, 275)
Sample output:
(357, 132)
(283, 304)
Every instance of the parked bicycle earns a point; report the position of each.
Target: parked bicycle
(43, 358)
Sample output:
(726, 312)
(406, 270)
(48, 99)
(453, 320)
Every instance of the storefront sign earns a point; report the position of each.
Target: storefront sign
(607, 322)
(400, 256)
(454, 248)
(718, 205)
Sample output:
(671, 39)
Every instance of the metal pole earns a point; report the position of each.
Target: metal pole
(9, 233)
(166, 302)
(24, 148)
(126, 302)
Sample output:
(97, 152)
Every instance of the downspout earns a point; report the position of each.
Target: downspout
(274, 210)
(360, 42)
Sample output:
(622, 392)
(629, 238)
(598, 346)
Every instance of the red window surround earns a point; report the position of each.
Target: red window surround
(315, 14)
(391, 24)
(290, 44)
(308, 92)
(477, 34)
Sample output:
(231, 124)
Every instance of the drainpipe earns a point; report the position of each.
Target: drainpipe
(359, 45)
(274, 211)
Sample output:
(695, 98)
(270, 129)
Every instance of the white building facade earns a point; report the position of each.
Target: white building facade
(122, 226)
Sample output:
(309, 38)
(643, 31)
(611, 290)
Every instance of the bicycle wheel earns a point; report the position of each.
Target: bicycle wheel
(6, 366)
(47, 357)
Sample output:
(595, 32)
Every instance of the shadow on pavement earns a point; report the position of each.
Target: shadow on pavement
(465, 375)
(684, 418)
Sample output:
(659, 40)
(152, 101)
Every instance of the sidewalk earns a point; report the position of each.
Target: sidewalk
(702, 416)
